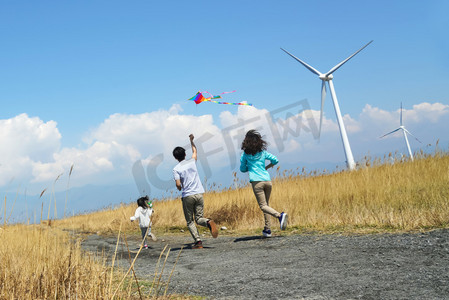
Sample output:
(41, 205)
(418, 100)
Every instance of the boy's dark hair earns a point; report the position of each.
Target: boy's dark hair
(253, 143)
(179, 153)
(142, 201)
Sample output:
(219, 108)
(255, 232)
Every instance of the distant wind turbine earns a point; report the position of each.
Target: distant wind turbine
(404, 131)
(327, 77)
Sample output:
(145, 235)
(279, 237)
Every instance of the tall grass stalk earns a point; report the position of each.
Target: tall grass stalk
(55, 212)
(13, 204)
(158, 286)
(67, 190)
(172, 270)
(129, 270)
(4, 213)
(114, 256)
(156, 271)
(42, 206)
(130, 261)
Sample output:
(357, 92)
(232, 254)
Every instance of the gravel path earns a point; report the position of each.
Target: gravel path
(379, 266)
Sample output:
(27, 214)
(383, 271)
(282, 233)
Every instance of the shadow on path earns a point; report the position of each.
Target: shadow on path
(253, 238)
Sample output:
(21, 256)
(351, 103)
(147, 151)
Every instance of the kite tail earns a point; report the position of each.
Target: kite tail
(230, 103)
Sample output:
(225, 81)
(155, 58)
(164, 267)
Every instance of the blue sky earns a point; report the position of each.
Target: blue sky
(91, 75)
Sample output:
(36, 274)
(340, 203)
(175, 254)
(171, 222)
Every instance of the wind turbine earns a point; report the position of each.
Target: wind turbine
(327, 77)
(404, 131)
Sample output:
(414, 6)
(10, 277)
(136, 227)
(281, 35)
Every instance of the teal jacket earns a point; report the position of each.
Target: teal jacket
(255, 165)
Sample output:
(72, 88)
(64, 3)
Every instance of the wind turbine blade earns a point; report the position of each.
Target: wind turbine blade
(401, 113)
(390, 132)
(311, 69)
(411, 134)
(323, 97)
(343, 62)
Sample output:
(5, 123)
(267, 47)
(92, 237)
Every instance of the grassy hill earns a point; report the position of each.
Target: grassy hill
(378, 196)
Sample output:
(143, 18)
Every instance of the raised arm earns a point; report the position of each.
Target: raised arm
(194, 152)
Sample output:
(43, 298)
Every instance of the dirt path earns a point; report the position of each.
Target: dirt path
(381, 266)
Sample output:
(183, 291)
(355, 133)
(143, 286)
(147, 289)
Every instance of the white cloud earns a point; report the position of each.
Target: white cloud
(31, 150)
(151, 133)
(426, 112)
(351, 125)
(25, 141)
(28, 136)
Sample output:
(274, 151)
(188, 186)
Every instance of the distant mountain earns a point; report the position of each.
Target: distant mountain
(79, 200)
(92, 197)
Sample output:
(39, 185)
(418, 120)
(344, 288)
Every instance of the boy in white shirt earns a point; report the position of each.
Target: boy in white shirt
(187, 179)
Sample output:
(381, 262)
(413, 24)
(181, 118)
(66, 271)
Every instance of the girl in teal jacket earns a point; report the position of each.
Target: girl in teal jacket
(253, 161)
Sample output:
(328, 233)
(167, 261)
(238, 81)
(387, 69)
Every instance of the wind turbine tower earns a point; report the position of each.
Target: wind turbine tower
(404, 131)
(327, 77)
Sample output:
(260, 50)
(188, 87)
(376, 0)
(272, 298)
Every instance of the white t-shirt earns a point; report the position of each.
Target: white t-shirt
(187, 172)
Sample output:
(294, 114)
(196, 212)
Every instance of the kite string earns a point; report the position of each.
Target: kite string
(218, 94)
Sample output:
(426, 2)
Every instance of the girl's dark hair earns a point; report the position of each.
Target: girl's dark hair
(142, 202)
(253, 143)
(179, 153)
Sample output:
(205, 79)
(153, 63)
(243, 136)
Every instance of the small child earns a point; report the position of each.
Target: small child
(143, 214)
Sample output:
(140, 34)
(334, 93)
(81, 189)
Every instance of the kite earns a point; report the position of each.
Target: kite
(199, 97)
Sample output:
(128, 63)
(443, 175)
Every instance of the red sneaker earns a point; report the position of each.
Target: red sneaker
(213, 228)
(198, 245)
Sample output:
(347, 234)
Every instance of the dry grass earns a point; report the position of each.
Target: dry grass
(37, 262)
(41, 262)
(405, 195)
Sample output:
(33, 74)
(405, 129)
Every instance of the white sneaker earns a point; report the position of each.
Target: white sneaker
(266, 233)
(283, 220)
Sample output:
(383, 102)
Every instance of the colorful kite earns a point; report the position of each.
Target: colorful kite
(199, 97)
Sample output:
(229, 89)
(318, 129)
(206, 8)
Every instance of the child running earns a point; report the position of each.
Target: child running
(143, 214)
(187, 179)
(253, 161)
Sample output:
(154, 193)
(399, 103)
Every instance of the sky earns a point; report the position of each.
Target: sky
(103, 86)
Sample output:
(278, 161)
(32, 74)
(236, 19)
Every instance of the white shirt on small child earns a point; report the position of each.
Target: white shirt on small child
(143, 214)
